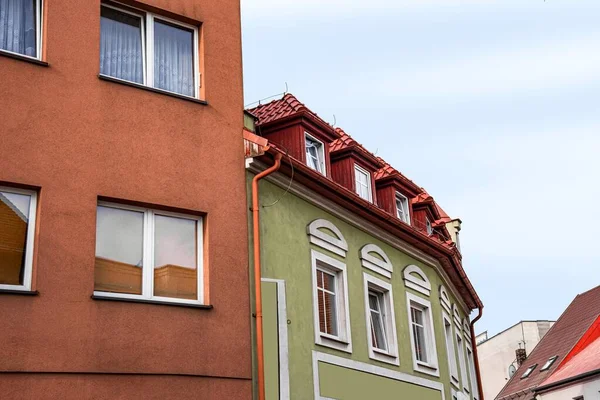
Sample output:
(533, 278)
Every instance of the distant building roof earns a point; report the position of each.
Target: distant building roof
(572, 325)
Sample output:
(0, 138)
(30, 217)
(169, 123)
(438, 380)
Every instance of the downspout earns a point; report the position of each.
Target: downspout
(475, 355)
(257, 276)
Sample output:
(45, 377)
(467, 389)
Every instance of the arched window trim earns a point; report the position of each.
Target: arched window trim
(445, 299)
(383, 267)
(337, 245)
(456, 316)
(422, 285)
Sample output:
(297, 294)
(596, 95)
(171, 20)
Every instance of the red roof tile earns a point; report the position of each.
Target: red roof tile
(560, 339)
(285, 107)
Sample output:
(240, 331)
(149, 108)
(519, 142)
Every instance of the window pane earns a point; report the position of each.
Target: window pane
(119, 250)
(175, 257)
(14, 218)
(121, 45)
(18, 26)
(173, 58)
(327, 303)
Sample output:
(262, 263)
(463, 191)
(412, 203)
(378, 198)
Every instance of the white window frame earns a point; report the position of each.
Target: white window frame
(320, 152)
(29, 241)
(384, 290)
(529, 371)
(39, 12)
(428, 226)
(450, 350)
(460, 346)
(147, 32)
(471, 371)
(359, 169)
(431, 366)
(405, 207)
(549, 363)
(148, 256)
(343, 341)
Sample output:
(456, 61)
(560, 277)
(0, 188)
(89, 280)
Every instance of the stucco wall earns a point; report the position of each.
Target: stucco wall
(76, 137)
(286, 256)
(589, 390)
(498, 353)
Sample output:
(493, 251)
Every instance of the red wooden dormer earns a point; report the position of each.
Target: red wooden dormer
(429, 218)
(290, 125)
(354, 167)
(395, 192)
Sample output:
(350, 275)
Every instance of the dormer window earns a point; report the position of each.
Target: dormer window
(402, 211)
(315, 154)
(362, 179)
(428, 226)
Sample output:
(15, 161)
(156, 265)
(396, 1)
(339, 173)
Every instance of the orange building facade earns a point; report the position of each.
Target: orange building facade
(123, 230)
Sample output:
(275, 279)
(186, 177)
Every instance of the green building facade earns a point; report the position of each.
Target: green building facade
(301, 232)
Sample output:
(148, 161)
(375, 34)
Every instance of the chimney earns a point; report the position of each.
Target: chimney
(521, 356)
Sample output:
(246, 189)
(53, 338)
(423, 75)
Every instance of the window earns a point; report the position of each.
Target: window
(17, 227)
(528, 371)
(147, 49)
(148, 254)
(381, 322)
(453, 367)
(472, 373)
(428, 226)
(315, 154)
(363, 183)
(20, 27)
(402, 210)
(421, 335)
(461, 360)
(549, 363)
(330, 302)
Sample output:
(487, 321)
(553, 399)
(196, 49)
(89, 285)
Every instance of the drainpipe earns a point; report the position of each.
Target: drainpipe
(257, 276)
(475, 355)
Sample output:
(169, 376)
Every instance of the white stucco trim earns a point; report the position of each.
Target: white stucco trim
(445, 300)
(337, 245)
(466, 329)
(415, 278)
(391, 356)
(349, 217)
(451, 350)
(456, 317)
(343, 341)
(382, 267)
(370, 369)
(432, 366)
(282, 328)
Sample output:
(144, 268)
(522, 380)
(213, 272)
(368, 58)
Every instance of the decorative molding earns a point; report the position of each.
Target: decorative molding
(450, 350)
(419, 283)
(337, 245)
(445, 300)
(282, 328)
(431, 367)
(466, 329)
(456, 317)
(382, 267)
(369, 369)
(331, 207)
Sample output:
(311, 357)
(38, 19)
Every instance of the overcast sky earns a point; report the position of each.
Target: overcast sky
(492, 105)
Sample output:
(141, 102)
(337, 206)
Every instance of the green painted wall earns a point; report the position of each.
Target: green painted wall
(286, 256)
(342, 383)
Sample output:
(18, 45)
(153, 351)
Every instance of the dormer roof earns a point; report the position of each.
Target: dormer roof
(346, 145)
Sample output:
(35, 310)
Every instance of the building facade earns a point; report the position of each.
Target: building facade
(501, 354)
(566, 362)
(123, 230)
(362, 291)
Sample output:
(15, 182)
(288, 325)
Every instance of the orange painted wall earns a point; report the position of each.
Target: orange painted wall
(77, 137)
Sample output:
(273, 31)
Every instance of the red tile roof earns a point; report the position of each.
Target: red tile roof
(345, 141)
(285, 107)
(560, 339)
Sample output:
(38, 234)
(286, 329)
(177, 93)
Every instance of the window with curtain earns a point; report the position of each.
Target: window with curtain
(147, 49)
(147, 254)
(17, 224)
(326, 292)
(19, 26)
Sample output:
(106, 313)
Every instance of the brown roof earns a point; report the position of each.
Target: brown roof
(560, 339)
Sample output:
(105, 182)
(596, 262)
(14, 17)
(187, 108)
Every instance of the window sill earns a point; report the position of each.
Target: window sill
(19, 292)
(334, 342)
(151, 89)
(21, 57)
(154, 302)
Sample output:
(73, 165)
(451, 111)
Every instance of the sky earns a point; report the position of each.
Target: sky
(493, 106)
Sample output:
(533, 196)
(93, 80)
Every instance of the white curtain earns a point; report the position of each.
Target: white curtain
(17, 26)
(121, 45)
(173, 59)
